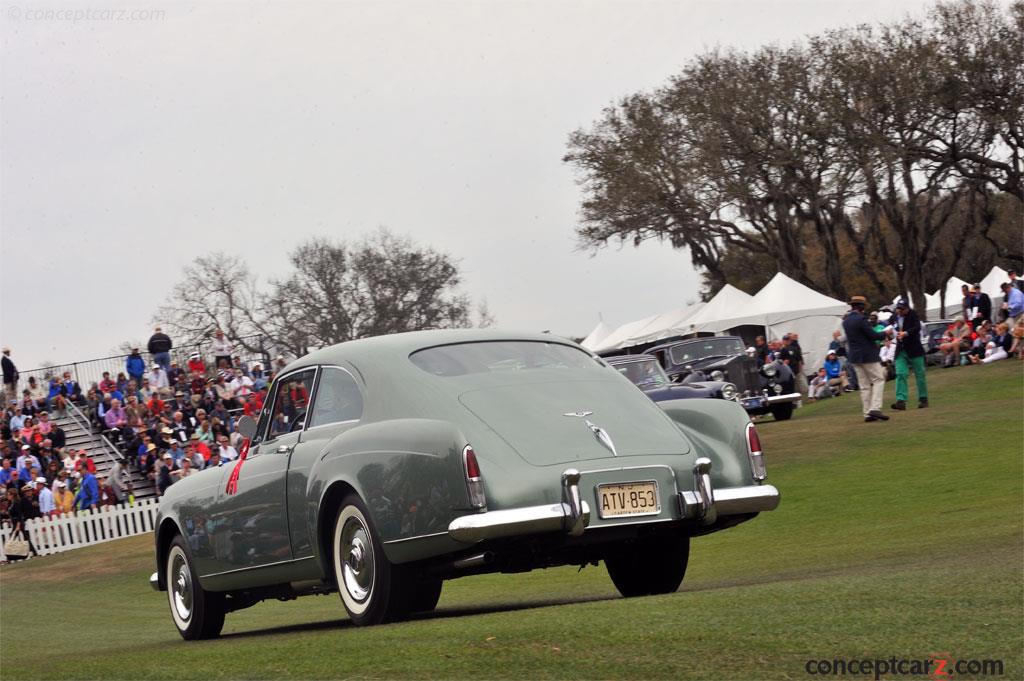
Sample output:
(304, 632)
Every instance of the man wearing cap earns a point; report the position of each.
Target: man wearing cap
(135, 366)
(158, 377)
(862, 345)
(909, 355)
(165, 476)
(1013, 303)
(88, 496)
(834, 371)
(47, 507)
(63, 499)
(981, 304)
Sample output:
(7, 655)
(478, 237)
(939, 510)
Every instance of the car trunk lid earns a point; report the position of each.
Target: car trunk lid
(561, 422)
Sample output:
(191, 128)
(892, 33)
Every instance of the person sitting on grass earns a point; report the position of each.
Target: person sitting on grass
(819, 388)
(997, 347)
(835, 372)
(956, 339)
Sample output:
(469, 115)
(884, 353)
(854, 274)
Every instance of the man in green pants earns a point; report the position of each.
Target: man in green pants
(909, 355)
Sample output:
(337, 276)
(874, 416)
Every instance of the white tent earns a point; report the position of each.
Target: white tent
(954, 299)
(619, 338)
(598, 334)
(990, 284)
(728, 302)
(664, 325)
(784, 306)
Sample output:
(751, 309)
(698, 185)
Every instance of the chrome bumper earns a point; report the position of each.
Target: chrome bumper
(706, 503)
(154, 581)
(788, 397)
(572, 516)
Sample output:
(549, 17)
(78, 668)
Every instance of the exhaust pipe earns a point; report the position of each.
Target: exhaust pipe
(478, 560)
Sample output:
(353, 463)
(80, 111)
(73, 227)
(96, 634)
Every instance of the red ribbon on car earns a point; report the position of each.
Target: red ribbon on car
(232, 486)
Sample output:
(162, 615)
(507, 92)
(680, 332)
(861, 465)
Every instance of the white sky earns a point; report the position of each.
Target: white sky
(128, 147)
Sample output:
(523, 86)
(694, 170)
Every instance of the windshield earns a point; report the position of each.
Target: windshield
(706, 347)
(645, 373)
(500, 356)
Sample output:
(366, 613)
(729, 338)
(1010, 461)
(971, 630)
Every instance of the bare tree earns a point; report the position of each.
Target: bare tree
(216, 291)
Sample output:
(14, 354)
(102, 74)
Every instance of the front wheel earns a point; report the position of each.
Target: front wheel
(649, 567)
(783, 412)
(372, 590)
(197, 613)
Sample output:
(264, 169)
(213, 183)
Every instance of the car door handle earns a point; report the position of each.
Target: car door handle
(285, 449)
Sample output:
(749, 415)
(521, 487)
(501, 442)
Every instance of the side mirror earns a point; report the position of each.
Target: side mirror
(247, 427)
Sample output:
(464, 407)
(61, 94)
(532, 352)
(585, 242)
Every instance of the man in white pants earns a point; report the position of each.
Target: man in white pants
(862, 339)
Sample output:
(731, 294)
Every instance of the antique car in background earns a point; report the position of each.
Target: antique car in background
(381, 467)
(931, 338)
(645, 373)
(768, 389)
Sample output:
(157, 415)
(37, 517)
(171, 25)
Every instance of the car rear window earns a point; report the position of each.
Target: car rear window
(500, 356)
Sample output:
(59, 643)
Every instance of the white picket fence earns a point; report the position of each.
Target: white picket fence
(73, 531)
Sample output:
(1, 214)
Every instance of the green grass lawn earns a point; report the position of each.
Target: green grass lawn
(892, 539)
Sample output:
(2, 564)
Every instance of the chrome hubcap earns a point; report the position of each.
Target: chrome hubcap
(357, 559)
(181, 584)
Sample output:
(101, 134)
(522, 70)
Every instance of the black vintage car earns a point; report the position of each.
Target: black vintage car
(768, 390)
(645, 372)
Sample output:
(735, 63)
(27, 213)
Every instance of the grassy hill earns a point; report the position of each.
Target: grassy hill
(893, 539)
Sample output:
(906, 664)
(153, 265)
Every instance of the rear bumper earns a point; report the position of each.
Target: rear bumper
(703, 504)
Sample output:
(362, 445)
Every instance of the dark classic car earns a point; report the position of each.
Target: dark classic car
(381, 467)
(646, 374)
(768, 389)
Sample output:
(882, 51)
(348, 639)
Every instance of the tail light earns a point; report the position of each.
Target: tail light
(474, 481)
(754, 451)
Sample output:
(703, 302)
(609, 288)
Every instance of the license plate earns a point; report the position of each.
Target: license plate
(754, 403)
(628, 498)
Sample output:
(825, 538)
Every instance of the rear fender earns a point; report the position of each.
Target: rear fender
(408, 472)
(717, 429)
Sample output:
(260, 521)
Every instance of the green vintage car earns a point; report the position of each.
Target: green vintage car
(381, 467)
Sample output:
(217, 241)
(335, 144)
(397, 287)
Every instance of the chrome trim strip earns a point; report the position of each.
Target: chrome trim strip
(420, 536)
(512, 522)
(255, 567)
(752, 499)
(789, 397)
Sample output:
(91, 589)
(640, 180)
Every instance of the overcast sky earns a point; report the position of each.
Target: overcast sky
(129, 145)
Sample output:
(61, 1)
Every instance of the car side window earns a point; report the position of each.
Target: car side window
(288, 405)
(337, 398)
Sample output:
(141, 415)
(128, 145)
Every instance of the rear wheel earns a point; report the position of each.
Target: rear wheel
(783, 412)
(197, 613)
(372, 589)
(426, 595)
(648, 567)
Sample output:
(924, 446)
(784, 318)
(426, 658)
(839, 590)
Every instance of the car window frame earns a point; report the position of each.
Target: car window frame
(321, 370)
(263, 426)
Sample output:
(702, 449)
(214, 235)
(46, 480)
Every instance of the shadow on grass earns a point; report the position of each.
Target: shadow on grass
(443, 613)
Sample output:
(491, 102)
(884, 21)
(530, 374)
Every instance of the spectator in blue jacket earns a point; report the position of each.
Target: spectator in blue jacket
(88, 492)
(1013, 302)
(862, 346)
(135, 366)
(834, 371)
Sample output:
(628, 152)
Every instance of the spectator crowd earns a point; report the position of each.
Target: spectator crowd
(168, 421)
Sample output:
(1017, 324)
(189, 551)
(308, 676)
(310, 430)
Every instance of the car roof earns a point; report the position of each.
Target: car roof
(401, 345)
(691, 340)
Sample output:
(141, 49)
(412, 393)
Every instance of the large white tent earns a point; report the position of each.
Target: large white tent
(784, 306)
(619, 338)
(954, 299)
(594, 338)
(993, 279)
(664, 325)
(728, 302)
